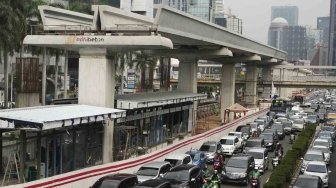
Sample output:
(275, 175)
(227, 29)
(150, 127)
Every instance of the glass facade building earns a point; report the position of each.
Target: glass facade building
(290, 13)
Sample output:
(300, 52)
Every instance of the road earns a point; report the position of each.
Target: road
(266, 175)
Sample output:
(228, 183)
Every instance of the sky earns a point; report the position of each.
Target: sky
(256, 14)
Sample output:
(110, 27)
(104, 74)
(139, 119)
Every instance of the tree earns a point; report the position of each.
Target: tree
(142, 60)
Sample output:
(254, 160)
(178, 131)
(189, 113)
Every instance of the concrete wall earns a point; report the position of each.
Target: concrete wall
(86, 177)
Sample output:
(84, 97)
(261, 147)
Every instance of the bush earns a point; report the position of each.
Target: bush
(282, 174)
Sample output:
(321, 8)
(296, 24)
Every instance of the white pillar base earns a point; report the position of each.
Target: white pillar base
(227, 87)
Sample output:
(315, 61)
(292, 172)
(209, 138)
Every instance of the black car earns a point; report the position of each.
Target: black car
(304, 181)
(154, 183)
(245, 129)
(116, 181)
(184, 176)
(269, 140)
(238, 168)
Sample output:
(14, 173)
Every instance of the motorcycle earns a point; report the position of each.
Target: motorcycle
(217, 166)
(292, 138)
(254, 183)
(208, 183)
(275, 161)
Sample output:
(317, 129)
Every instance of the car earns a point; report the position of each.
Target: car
(312, 119)
(269, 140)
(230, 145)
(245, 129)
(267, 119)
(312, 155)
(178, 158)
(262, 123)
(240, 137)
(303, 115)
(238, 168)
(121, 180)
(298, 125)
(154, 183)
(210, 148)
(255, 128)
(323, 142)
(287, 127)
(307, 181)
(326, 152)
(152, 170)
(331, 129)
(318, 168)
(261, 159)
(254, 143)
(279, 129)
(274, 132)
(184, 176)
(327, 135)
(198, 158)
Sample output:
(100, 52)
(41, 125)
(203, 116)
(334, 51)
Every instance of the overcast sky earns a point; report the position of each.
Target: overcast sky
(256, 14)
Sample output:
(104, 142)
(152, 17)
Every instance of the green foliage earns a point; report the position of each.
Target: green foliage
(282, 174)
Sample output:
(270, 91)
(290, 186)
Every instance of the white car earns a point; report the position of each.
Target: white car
(298, 125)
(261, 159)
(240, 136)
(230, 144)
(318, 168)
(152, 170)
(312, 155)
(304, 115)
(323, 142)
(177, 159)
(326, 152)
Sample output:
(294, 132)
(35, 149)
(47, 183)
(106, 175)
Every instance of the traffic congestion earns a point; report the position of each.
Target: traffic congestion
(247, 156)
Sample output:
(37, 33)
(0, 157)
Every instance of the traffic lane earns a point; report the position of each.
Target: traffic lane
(286, 145)
(332, 167)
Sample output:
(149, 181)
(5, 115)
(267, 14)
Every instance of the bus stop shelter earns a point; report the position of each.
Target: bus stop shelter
(54, 139)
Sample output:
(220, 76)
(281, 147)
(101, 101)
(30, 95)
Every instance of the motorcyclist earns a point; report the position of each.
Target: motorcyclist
(254, 175)
(205, 172)
(218, 161)
(278, 149)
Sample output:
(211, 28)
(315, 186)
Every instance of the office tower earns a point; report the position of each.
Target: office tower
(332, 33)
(290, 13)
(294, 42)
(275, 32)
(323, 24)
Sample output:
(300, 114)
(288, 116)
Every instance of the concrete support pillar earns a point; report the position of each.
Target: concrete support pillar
(97, 87)
(267, 75)
(65, 82)
(250, 96)
(284, 91)
(44, 75)
(187, 78)
(23, 151)
(187, 81)
(227, 87)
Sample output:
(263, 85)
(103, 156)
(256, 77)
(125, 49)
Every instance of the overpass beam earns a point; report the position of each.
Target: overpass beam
(227, 87)
(250, 96)
(97, 87)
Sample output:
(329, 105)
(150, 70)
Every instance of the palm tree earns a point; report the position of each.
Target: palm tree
(142, 60)
(11, 16)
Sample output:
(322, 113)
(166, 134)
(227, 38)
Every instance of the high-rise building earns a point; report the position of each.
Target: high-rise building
(332, 33)
(275, 32)
(323, 24)
(178, 4)
(202, 9)
(234, 24)
(290, 13)
(294, 41)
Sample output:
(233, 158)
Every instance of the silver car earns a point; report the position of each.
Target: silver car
(152, 170)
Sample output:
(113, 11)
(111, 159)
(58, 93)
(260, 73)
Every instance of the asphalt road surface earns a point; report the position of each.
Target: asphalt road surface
(286, 145)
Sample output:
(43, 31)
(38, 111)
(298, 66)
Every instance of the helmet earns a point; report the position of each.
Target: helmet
(215, 171)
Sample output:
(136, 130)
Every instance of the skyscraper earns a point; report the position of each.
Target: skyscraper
(332, 34)
(275, 32)
(290, 13)
(202, 9)
(323, 24)
(294, 41)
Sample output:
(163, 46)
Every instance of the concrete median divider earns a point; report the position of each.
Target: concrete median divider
(86, 177)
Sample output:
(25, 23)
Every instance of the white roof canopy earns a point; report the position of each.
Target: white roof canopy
(144, 100)
(50, 117)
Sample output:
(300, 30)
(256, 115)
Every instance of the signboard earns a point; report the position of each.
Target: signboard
(130, 78)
